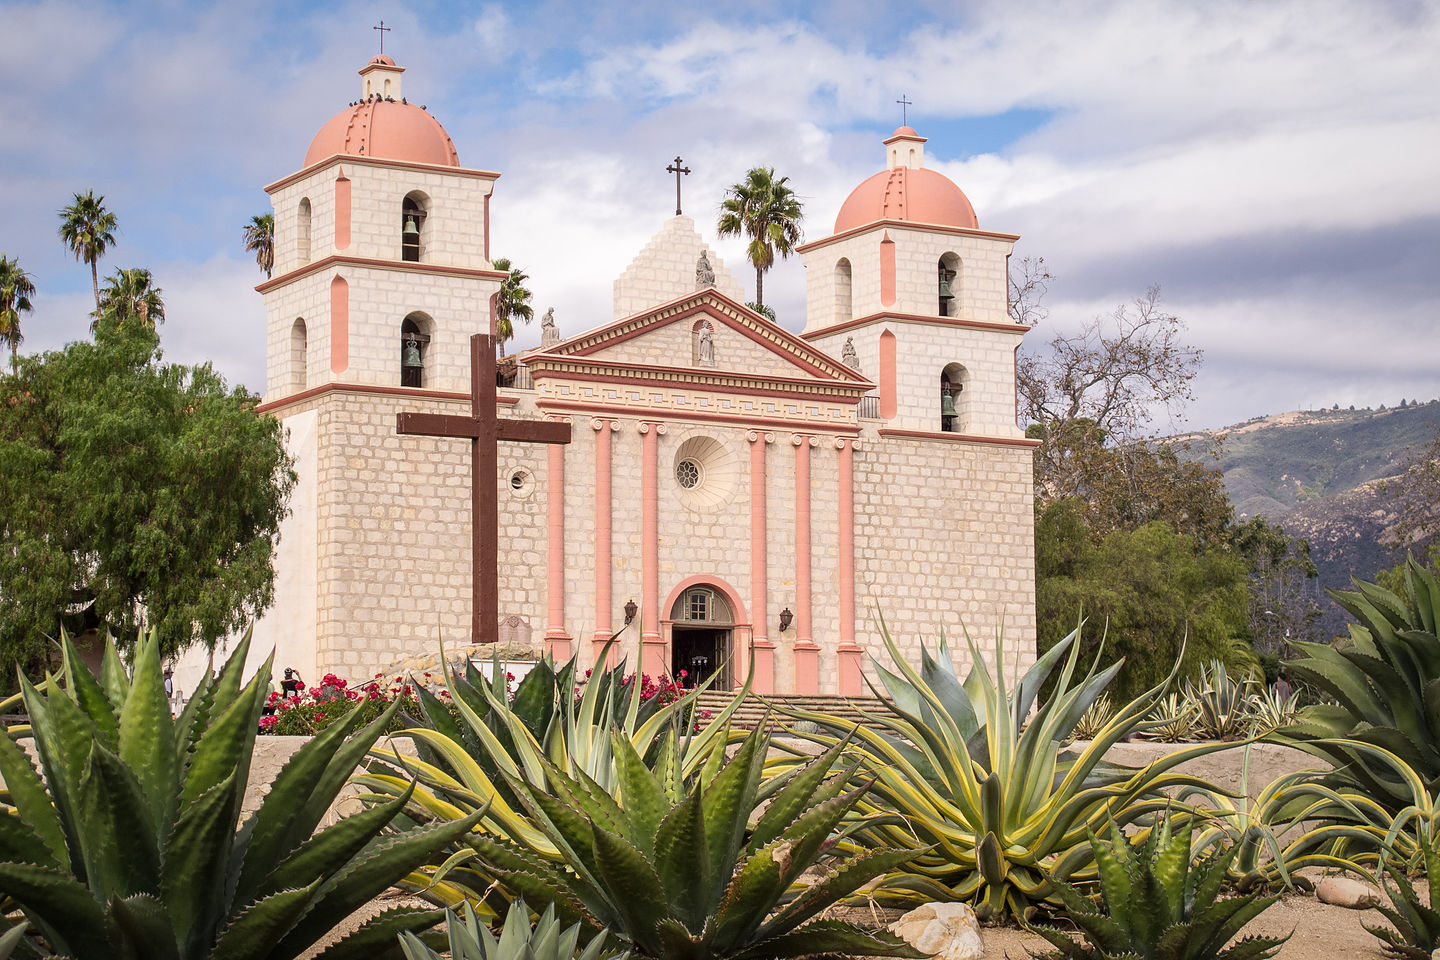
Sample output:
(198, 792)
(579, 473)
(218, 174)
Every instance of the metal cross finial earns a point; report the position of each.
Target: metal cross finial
(676, 169)
(904, 102)
(383, 30)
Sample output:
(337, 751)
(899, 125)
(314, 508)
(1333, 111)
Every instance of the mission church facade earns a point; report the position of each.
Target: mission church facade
(741, 490)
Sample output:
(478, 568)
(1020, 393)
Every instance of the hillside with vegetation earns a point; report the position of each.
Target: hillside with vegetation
(1322, 475)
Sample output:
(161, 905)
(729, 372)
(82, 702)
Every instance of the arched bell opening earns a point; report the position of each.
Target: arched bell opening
(299, 356)
(948, 285)
(414, 210)
(843, 286)
(415, 334)
(953, 402)
(302, 230)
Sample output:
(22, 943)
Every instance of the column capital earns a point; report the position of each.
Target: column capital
(842, 442)
(558, 418)
(760, 436)
(601, 423)
(644, 427)
(804, 439)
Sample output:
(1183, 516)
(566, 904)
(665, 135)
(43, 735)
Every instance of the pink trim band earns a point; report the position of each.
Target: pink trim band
(603, 558)
(763, 650)
(650, 530)
(557, 639)
(850, 684)
(339, 325)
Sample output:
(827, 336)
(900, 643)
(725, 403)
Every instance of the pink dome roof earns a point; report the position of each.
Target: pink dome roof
(917, 195)
(384, 130)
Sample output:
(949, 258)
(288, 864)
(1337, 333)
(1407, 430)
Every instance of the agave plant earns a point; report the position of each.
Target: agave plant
(1386, 683)
(1223, 705)
(473, 763)
(1004, 806)
(1159, 906)
(1093, 720)
(469, 939)
(128, 846)
(708, 870)
(1271, 711)
(1173, 720)
(1416, 922)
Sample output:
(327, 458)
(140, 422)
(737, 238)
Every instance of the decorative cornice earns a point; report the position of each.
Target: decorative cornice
(646, 375)
(1015, 328)
(415, 393)
(362, 160)
(905, 225)
(401, 266)
(713, 303)
(738, 420)
(958, 437)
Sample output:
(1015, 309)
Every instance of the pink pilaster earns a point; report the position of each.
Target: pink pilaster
(851, 684)
(558, 640)
(807, 654)
(762, 649)
(603, 561)
(652, 644)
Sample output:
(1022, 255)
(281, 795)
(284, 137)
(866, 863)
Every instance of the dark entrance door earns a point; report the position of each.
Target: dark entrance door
(699, 652)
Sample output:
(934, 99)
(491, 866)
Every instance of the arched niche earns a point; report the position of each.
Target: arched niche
(948, 285)
(414, 210)
(416, 332)
(302, 230)
(954, 399)
(299, 356)
(844, 284)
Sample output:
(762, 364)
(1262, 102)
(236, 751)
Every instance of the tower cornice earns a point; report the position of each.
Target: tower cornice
(400, 266)
(364, 161)
(904, 225)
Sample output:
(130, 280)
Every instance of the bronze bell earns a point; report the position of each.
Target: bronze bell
(945, 293)
(411, 355)
(411, 231)
(947, 404)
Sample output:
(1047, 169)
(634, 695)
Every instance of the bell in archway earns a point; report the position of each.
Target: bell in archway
(947, 404)
(411, 233)
(410, 357)
(945, 293)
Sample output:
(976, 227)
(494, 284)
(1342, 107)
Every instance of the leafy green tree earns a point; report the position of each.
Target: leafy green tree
(260, 240)
(129, 295)
(16, 289)
(767, 211)
(513, 301)
(88, 229)
(1152, 588)
(136, 493)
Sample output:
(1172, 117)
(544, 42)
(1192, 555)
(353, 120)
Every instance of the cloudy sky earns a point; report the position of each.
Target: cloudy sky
(1274, 167)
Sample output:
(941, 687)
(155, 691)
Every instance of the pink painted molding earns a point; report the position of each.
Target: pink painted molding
(852, 680)
(650, 432)
(803, 624)
(904, 225)
(342, 211)
(889, 398)
(647, 375)
(847, 541)
(1019, 329)
(759, 532)
(339, 325)
(887, 270)
(741, 420)
(807, 668)
(416, 392)
(556, 634)
(357, 160)
(762, 653)
(604, 560)
(400, 266)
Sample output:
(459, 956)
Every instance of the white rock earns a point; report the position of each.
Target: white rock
(948, 930)
(1347, 892)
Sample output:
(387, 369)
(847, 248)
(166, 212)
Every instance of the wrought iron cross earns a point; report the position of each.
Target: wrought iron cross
(485, 431)
(383, 30)
(676, 169)
(904, 103)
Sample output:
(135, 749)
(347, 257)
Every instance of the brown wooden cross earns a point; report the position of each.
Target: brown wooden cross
(484, 430)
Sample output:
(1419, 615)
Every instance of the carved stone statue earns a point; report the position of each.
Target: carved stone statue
(849, 357)
(707, 347)
(548, 334)
(704, 273)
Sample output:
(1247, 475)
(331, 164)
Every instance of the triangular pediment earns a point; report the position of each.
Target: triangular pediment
(665, 339)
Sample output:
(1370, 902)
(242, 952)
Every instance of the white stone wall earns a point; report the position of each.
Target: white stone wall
(980, 288)
(453, 233)
(380, 300)
(665, 269)
(922, 351)
(945, 540)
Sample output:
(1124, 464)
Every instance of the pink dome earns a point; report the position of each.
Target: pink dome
(905, 131)
(917, 195)
(384, 130)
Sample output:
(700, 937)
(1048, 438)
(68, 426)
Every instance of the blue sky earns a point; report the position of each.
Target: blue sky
(1272, 166)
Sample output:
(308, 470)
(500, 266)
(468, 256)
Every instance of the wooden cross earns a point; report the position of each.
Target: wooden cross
(676, 169)
(383, 30)
(904, 103)
(484, 430)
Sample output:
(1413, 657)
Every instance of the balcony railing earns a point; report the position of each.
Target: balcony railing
(869, 407)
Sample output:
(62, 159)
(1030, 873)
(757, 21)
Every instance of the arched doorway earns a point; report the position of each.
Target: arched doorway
(701, 637)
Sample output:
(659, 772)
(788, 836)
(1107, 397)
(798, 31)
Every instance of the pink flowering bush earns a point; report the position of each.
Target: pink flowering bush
(312, 709)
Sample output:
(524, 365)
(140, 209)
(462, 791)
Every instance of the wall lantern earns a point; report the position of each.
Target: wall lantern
(630, 610)
(786, 618)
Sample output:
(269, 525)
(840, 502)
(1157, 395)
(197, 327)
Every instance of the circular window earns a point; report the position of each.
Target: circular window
(687, 473)
(522, 482)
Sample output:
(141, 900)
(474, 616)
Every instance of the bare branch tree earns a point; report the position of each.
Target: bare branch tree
(1027, 290)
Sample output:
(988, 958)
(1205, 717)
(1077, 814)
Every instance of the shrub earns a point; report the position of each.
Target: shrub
(469, 939)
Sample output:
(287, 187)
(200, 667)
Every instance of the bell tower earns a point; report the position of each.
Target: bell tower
(919, 291)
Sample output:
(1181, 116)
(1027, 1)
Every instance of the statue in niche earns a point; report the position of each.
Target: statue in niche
(549, 336)
(707, 347)
(704, 273)
(849, 357)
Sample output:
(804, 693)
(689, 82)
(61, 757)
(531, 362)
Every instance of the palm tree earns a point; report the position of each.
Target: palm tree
(514, 301)
(131, 295)
(260, 240)
(768, 212)
(88, 229)
(16, 289)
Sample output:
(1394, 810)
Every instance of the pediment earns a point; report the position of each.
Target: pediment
(662, 342)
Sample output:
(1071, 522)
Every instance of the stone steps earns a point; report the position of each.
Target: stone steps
(753, 710)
